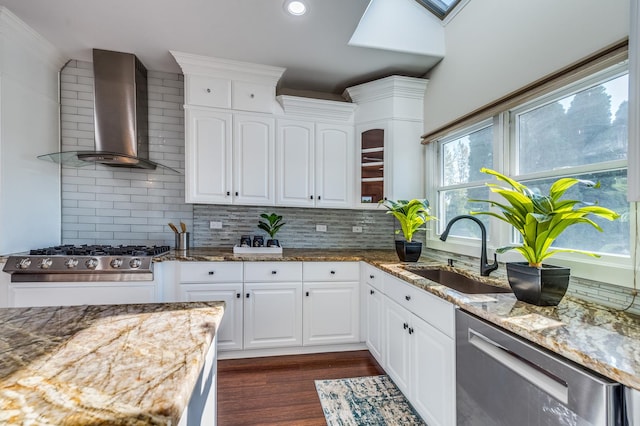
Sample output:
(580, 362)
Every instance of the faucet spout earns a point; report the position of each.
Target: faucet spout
(485, 267)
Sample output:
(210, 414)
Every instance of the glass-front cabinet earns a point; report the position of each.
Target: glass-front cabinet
(372, 170)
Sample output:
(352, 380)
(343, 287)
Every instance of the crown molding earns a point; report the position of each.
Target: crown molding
(319, 108)
(394, 86)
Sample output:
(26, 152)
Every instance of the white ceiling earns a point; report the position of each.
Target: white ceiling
(312, 48)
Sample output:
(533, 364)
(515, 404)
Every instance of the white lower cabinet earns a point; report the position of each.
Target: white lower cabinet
(419, 355)
(214, 281)
(272, 315)
(374, 323)
(331, 314)
(230, 329)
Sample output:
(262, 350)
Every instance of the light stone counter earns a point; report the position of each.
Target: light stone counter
(599, 338)
(106, 364)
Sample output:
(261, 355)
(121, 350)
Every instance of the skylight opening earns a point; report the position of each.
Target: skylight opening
(440, 8)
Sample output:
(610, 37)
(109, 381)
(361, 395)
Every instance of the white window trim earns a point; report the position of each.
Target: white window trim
(616, 270)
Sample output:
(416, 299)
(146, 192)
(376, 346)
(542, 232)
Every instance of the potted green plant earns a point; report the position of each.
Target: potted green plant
(540, 219)
(411, 214)
(271, 226)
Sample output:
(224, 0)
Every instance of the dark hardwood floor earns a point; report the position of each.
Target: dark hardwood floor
(281, 390)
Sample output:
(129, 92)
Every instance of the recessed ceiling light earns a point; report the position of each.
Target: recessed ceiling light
(295, 7)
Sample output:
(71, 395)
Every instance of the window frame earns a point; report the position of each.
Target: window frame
(609, 268)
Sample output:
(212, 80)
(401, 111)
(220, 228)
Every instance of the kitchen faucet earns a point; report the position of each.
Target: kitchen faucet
(485, 268)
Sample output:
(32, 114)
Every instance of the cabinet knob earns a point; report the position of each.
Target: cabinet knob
(236, 193)
(208, 90)
(333, 272)
(410, 330)
(238, 296)
(274, 272)
(319, 198)
(307, 294)
(228, 193)
(311, 197)
(371, 292)
(252, 96)
(371, 276)
(405, 325)
(212, 272)
(247, 295)
(407, 298)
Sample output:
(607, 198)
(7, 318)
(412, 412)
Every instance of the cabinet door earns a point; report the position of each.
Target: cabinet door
(371, 171)
(334, 166)
(397, 351)
(272, 315)
(433, 374)
(230, 330)
(208, 157)
(331, 313)
(295, 168)
(254, 159)
(374, 328)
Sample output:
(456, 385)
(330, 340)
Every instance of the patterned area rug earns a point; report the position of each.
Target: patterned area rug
(370, 401)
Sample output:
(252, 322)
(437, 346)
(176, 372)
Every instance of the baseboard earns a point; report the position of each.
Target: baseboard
(296, 350)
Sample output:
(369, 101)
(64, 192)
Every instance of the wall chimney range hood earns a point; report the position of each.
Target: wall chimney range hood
(120, 115)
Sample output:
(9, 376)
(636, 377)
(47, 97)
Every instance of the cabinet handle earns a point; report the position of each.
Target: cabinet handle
(410, 330)
(212, 272)
(371, 276)
(311, 197)
(405, 325)
(228, 193)
(247, 295)
(208, 90)
(371, 292)
(407, 298)
(274, 272)
(238, 296)
(307, 294)
(333, 272)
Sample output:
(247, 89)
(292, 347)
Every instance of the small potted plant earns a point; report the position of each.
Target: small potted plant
(271, 226)
(411, 214)
(540, 219)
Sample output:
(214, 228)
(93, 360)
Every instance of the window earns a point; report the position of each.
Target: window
(440, 8)
(579, 130)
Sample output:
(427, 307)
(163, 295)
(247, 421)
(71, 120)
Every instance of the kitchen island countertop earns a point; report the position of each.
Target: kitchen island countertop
(602, 339)
(104, 364)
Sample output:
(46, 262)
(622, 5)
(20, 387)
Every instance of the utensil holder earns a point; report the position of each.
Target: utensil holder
(182, 241)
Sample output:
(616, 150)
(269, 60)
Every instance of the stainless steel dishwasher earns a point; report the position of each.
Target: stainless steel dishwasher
(503, 380)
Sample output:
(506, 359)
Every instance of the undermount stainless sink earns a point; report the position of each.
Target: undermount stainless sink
(456, 281)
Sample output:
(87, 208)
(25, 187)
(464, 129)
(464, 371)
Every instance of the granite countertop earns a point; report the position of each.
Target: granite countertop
(105, 364)
(602, 339)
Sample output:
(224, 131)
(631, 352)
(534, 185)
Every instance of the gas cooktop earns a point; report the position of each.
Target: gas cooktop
(100, 250)
(84, 263)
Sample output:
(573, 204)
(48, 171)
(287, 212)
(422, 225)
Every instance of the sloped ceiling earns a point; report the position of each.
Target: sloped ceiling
(314, 48)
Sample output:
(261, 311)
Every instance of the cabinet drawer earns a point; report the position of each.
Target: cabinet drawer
(437, 312)
(373, 277)
(210, 272)
(272, 271)
(208, 91)
(331, 271)
(252, 97)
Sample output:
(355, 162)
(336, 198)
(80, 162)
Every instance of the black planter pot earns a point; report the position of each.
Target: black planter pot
(544, 286)
(273, 243)
(408, 252)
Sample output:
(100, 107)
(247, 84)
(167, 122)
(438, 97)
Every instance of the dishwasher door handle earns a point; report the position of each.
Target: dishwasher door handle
(526, 369)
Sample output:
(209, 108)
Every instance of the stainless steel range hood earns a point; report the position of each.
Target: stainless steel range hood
(120, 115)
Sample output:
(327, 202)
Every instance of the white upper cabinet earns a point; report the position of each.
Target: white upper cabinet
(253, 159)
(315, 148)
(208, 156)
(389, 123)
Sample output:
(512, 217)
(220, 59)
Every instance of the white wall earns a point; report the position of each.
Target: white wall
(495, 47)
(29, 188)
